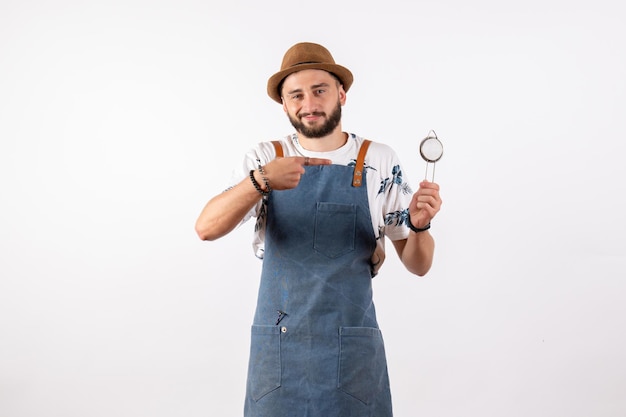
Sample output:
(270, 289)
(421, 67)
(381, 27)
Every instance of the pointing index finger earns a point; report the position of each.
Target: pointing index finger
(317, 161)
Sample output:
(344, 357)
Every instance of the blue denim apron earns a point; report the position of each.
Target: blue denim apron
(316, 350)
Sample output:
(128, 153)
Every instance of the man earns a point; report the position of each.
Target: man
(324, 201)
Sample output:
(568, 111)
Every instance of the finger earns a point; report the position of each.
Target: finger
(425, 211)
(428, 206)
(430, 185)
(316, 161)
(424, 193)
(434, 200)
(430, 198)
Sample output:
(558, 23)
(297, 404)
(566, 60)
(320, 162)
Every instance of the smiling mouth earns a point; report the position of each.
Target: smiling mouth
(311, 116)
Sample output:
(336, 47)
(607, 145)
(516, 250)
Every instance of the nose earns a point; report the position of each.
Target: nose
(309, 104)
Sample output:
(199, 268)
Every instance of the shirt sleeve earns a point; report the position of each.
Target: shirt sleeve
(396, 194)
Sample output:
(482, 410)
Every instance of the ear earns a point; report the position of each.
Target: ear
(284, 104)
(342, 95)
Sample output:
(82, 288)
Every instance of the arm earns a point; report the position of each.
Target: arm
(416, 252)
(226, 210)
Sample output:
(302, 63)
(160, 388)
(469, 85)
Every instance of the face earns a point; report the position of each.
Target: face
(312, 100)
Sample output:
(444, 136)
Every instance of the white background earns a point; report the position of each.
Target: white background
(120, 119)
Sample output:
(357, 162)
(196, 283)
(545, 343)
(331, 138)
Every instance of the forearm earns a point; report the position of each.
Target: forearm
(226, 210)
(416, 252)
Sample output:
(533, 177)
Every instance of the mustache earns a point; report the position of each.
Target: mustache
(315, 113)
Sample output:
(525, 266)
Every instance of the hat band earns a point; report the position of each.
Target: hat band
(304, 63)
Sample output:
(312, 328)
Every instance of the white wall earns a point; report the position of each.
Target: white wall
(120, 119)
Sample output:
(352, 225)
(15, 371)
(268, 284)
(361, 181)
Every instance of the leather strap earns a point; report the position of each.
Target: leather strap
(357, 178)
(279, 148)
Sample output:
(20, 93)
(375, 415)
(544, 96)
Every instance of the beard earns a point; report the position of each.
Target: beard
(325, 129)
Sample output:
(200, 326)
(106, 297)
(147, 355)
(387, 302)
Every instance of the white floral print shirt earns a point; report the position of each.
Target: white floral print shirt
(388, 192)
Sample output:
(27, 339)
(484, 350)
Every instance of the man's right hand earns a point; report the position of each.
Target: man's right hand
(285, 173)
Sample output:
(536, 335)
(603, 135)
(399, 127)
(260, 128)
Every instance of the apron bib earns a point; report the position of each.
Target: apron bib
(316, 350)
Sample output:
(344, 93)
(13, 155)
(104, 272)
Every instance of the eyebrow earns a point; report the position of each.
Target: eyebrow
(313, 87)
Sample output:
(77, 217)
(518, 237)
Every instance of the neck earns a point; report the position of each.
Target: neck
(324, 144)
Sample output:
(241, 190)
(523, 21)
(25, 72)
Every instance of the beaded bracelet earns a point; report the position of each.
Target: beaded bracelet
(265, 180)
(257, 186)
(413, 228)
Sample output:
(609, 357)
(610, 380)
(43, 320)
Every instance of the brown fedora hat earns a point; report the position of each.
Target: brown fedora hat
(306, 55)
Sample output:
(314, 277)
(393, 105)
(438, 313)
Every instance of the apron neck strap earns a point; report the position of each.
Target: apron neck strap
(279, 148)
(357, 178)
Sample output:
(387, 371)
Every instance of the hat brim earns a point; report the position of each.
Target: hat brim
(344, 75)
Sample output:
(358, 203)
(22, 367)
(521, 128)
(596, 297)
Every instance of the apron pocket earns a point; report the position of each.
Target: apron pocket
(334, 229)
(264, 375)
(362, 363)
